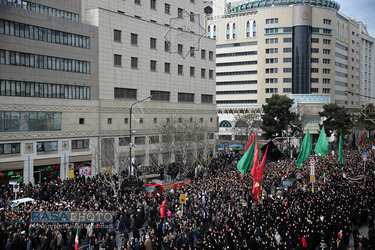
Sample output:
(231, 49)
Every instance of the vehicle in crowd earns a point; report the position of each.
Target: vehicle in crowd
(16, 203)
(158, 186)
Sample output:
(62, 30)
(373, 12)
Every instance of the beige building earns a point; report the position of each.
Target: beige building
(71, 71)
(307, 51)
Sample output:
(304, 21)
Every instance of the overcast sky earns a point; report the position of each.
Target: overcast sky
(362, 10)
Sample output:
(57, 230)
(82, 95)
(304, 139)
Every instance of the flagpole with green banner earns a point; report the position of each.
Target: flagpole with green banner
(341, 154)
(305, 150)
(322, 146)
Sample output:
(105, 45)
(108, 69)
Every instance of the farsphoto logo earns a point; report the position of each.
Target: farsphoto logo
(71, 217)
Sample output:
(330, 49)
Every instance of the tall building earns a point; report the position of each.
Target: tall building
(70, 72)
(307, 51)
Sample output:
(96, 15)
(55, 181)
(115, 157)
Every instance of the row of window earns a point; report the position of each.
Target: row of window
(289, 90)
(289, 80)
(237, 92)
(167, 67)
(49, 146)
(42, 9)
(12, 121)
(141, 121)
(43, 90)
(43, 34)
(43, 62)
(234, 73)
(236, 63)
(236, 44)
(235, 101)
(124, 93)
(167, 46)
(237, 82)
(245, 53)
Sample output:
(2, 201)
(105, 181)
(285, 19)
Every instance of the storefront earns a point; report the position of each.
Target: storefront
(47, 173)
(79, 169)
(11, 175)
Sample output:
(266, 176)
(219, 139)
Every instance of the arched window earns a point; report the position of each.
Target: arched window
(225, 124)
(234, 31)
(241, 124)
(254, 28)
(231, 31)
(211, 30)
(228, 31)
(250, 28)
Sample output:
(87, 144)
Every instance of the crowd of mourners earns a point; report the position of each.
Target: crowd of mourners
(219, 213)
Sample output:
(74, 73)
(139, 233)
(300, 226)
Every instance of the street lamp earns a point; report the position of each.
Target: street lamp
(130, 130)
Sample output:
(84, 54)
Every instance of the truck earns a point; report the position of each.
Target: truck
(158, 186)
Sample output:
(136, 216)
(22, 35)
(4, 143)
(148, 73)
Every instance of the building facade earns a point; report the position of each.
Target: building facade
(70, 71)
(306, 50)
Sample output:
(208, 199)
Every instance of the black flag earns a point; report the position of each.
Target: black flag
(273, 153)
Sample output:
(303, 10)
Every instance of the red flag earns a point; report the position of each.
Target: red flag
(251, 141)
(258, 173)
(256, 159)
(162, 210)
(363, 137)
(76, 244)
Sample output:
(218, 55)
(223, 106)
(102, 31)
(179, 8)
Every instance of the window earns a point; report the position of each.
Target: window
(271, 71)
(48, 146)
(288, 30)
(117, 60)
(140, 140)
(133, 39)
(137, 1)
(326, 61)
(287, 40)
(153, 4)
(314, 40)
(271, 80)
(272, 60)
(287, 50)
(124, 141)
(271, 90)
(167, 68)
(314, 50)
(141, 120)
(185, 97)
(123, 93)
(180, 48)
(327, 21)
(314, 80)
(166, 46)
(117, 35)
(134, 63)
(326, 41)
(206, 98)
(203, 54)
(251, 28)
(272, 20)
(272, 31)
(287, 90)
(287, 80)
(192, 50)
(152, 65)
(315, 60)
(203, 73)
(315, 30)
(314, 70)
(287, 70)
(180, 69)
(167, 8)
(314, 90)
(211, 55)
(272, 40)
(211, 74)
(126, 120)
(326, 71)
(192, 71)
(325, 80)
(287, 60)
(272, 51)
(153, 43)
(192, 16)
(154, 139)
(180, 13)
(327, 31)
(326, 51)
(109, 120)
(160, 95)
(326, 91)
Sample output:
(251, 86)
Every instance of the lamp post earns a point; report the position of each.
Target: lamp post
(130, 130)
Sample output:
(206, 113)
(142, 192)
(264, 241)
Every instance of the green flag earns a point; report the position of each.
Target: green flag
(324, 175)
(341, 154)
(305, 149)
(246, 162)
(322, 146)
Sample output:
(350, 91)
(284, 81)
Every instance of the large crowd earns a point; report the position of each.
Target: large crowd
(220, 211)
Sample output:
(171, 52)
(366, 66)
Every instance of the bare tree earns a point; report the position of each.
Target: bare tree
(245, 125)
